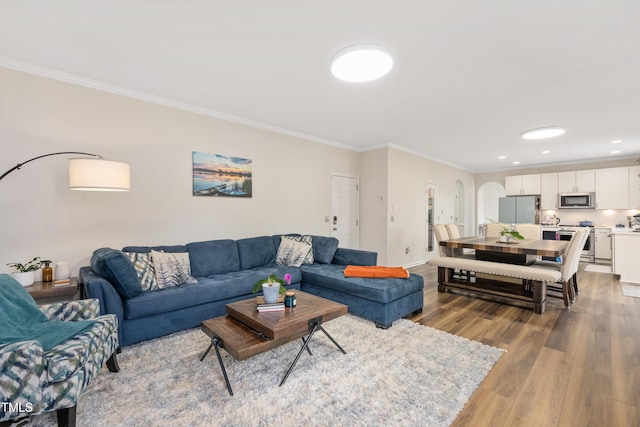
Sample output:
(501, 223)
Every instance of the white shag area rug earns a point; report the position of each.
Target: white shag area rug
(596, 268)
(629, 290)
(406, 375)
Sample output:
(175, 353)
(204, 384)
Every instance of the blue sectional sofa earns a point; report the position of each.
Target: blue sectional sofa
(226, 271)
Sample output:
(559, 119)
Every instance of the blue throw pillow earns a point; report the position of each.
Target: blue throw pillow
(118, 269)
(256, 252)
(213, 257)
(324, 248)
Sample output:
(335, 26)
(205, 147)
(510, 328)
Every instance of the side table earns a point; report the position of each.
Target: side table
(48, 292)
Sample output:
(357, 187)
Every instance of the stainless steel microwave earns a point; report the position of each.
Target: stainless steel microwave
(577, 201)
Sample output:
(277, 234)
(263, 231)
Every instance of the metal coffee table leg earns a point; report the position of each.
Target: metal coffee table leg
(317, 325)
(216, 343)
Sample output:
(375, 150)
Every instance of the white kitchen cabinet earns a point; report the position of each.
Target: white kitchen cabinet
(603, 243)
(577, 181)
(518, 185)
(612, 188)
(634, 187)
(626, 246)
(549, 191)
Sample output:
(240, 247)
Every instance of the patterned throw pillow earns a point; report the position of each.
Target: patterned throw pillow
(304, 239)
(291, 252)
(172, 268)
(144, 269)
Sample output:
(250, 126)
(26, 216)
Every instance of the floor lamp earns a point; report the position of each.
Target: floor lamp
(90, 174)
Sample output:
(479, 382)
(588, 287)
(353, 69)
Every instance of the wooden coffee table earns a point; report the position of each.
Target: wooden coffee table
(244, 332)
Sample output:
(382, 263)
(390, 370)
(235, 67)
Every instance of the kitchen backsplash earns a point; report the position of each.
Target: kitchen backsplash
(599, 217)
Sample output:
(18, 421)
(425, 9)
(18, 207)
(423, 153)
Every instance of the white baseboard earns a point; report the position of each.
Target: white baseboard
(415, 263)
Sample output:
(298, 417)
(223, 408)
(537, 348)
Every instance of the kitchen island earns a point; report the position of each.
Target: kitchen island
(625, 245)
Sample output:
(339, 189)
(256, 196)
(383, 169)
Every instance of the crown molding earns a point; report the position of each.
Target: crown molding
(142, 96)
(415, 153)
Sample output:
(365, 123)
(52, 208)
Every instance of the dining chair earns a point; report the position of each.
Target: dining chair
(530, 231)
(568, 267)
(585, 237)
(441, 233)
(454, 233)
(493, 229)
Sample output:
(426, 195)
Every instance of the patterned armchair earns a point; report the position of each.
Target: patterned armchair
(33, 381)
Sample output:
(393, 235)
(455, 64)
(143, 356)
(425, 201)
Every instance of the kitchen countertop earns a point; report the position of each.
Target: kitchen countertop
(625, 230)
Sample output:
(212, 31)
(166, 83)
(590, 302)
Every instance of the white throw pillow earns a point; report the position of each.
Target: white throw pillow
(291, 252)
(172, 269)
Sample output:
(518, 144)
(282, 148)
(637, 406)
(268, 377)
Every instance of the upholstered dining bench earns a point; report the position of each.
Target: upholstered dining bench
(461, 273)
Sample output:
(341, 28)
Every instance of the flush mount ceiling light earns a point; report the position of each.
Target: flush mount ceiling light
(361, 63)
(543, 133)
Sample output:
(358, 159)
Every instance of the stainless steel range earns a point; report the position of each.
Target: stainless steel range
(565, 232)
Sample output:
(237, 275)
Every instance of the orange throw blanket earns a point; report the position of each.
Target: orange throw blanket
(375, 272)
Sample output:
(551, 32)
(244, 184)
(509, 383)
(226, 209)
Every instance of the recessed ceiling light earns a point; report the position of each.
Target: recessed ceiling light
(616, 141)
(543, 133)
(361, 63)
(516, 163)
(502, 157)
(615, 152)
(546, 152)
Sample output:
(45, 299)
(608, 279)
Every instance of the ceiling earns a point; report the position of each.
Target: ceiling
(469, 77)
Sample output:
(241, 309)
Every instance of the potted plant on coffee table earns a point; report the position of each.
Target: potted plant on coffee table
(25, 273)
(272, 287)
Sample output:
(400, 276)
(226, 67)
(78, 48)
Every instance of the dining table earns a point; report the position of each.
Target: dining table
(522, 252)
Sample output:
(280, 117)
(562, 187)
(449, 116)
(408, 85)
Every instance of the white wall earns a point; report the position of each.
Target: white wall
(374, 202)
(408, 178)
(488, 201)
(39, 215)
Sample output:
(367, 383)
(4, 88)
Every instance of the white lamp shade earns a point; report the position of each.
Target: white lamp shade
(98, 175)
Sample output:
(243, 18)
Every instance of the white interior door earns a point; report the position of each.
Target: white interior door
(345, 210)
(432, 244)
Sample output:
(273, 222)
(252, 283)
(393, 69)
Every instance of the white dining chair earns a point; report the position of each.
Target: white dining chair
(530, 231)
(568, 267)
(440, 230)
(585, 236)
(454, 233)
(493, 229)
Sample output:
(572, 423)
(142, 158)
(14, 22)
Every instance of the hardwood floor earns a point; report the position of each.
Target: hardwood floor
(578, 367)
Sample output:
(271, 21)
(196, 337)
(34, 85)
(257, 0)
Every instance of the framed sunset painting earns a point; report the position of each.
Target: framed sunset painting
(215, 175)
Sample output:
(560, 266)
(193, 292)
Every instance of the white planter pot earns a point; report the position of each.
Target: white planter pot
(25, 279)
(271, 293)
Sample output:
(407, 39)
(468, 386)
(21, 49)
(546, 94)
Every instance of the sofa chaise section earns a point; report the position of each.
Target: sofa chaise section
(379, 300)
